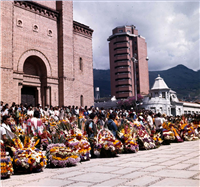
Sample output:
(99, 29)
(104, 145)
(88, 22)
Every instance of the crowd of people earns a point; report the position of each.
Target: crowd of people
(81, 127)
(111, 118)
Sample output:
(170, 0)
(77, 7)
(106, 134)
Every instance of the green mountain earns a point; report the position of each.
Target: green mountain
(181, 79)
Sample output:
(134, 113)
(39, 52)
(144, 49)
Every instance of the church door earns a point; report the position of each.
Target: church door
(29, 95)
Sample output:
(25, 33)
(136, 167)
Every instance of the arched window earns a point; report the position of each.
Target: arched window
(81, 64)
(81, 100)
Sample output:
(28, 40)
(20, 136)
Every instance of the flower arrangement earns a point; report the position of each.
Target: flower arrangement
(27, 156)
(44, 140)
(189, 133)
(6, 164)
(157, 139)
(73, 138)
(168, 135)
(77, 142)
(143, 138)
(172, 127)
(127, 136)
(107, 144)
(61, 156)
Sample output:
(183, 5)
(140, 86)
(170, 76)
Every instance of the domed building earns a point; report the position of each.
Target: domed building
(164, 100)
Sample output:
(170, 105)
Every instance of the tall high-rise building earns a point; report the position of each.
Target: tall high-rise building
(124, 44)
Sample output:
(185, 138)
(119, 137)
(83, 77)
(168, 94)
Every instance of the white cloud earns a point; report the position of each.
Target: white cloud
(171, 30)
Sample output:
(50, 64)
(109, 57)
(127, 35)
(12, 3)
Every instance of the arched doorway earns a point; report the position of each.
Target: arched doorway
(34, 81)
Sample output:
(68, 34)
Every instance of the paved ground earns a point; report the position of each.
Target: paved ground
(170, 165)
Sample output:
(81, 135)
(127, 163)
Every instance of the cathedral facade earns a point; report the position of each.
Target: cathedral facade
(46, 57)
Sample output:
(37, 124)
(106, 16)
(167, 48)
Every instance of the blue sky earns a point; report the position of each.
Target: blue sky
(171, 29)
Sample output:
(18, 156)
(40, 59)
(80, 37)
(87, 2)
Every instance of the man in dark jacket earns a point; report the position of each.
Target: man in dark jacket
(91, 130)
(111, 124)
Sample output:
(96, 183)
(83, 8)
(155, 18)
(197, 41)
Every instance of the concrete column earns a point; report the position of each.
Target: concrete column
(39, 95)
(48, 88)
(20, 86)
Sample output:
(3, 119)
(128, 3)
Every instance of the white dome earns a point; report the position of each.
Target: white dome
(159, 84)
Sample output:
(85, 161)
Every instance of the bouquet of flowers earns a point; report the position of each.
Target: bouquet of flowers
(127, 136)
(107, 144)
(77, 142)
(157, 139)
(143, 138)
(27, 156)
(61, 156)
(6, 164)
(44, 140)
(168, 135)
(172, 127)
(189, 133)
(74, 139)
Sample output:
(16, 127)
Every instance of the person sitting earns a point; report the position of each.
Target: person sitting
(6, 126)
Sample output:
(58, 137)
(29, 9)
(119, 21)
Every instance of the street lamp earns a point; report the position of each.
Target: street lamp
(134, 60)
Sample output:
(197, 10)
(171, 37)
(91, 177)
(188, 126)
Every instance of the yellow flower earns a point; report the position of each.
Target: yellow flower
(42, 164)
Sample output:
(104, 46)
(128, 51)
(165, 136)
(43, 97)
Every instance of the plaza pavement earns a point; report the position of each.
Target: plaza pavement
(169, 165)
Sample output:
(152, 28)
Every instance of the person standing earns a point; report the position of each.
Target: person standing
(158, 123)
(150, 120)
(91, 130)
(35, 125)
(1, 106)
(112, 125)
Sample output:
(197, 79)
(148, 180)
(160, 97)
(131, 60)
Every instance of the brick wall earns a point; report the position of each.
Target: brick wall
(6, 50)
(26, 38)
(143, 66)
(83, 78)
(50, 4)
(27, 32)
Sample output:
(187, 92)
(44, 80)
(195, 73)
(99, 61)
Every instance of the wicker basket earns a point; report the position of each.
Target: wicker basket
(105, 153)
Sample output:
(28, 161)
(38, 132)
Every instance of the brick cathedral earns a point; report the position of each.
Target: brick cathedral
(46, 57)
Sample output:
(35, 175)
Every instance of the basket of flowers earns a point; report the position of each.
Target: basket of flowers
(143, 138)
(26, 157)
(157, 139)
(168, 136)
(6, 164)
(189, 133)
(127, 135)
(61, 156)
(77, 142)
(107, 144)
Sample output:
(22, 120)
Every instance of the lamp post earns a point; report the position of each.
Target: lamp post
(135, 61)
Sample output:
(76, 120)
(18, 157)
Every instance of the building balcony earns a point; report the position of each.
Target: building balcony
(123, 63)
(121, 82)
(124, 69)
(122, 50)
(119, 45)
(122, 38)
(121, 57)
(123, 95)
(123, 88)
(124, 75)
